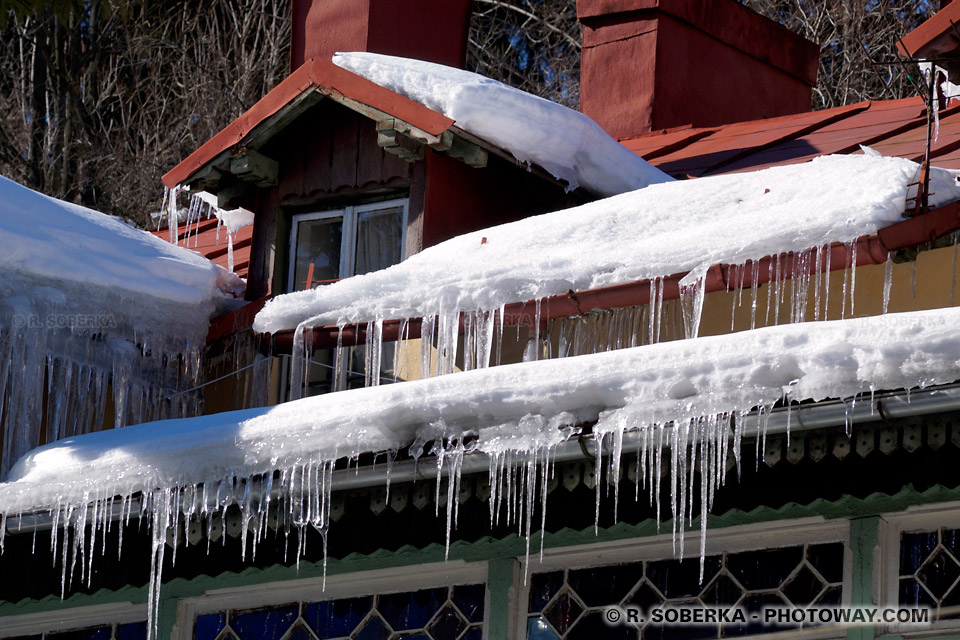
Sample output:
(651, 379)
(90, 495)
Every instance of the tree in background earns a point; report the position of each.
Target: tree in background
(854, 35)
(99, 99)
(533, 45)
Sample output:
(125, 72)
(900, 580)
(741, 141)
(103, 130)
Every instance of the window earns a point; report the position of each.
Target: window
(345, 242)
(120, 621)
(429, 602)
(329, 245)
(441, 613)
(567, 595)
(921, 562)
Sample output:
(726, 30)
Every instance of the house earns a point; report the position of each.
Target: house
(825, 453)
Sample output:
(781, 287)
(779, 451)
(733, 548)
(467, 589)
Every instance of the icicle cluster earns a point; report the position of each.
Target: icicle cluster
(203, 206)
(70, 353)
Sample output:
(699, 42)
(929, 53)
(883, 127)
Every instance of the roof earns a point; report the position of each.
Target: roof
(209, 239)
(892, 127)
(290, 97)
(935, 36)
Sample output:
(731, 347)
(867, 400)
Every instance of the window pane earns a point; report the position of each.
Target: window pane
(378, 239)
(569, 605)
(318, 243)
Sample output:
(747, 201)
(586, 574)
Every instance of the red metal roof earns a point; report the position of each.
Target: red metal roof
(892, 127)
(319, 75)
(210, 241)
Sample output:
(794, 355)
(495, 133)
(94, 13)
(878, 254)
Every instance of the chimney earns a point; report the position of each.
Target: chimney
(656, 64)
(433, 30)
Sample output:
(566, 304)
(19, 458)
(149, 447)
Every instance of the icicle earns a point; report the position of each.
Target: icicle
(691, 297)
(888, 280)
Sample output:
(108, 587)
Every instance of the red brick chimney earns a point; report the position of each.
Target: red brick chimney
(434, 30)
(656, 64)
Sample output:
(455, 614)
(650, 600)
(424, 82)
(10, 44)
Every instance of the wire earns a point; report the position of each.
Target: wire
(209, 382)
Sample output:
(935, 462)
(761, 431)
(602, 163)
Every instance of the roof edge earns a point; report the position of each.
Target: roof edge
(319, 75)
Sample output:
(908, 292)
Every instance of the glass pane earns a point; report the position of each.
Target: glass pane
(543, 586)
(264, 624)
(133, 631)
(378, 239)
(318, 243)
(208, 627)
(411, 610)
(828, 560)
(336, 618)
(469, 598)
(914, 549)
(91, 633)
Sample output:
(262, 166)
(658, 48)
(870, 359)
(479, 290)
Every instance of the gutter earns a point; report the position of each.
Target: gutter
(885, 407)
(867, 250)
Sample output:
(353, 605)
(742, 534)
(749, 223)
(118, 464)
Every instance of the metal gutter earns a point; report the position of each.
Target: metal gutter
(885, 407)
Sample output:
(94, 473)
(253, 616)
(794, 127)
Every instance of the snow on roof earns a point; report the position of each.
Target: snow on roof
(568, 144)
(653, 232)
(627, 389)
(61, 242)
(91, 306)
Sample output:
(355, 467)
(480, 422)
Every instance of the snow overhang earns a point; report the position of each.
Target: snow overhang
(874, 249)
(230, 162)
(529, 408)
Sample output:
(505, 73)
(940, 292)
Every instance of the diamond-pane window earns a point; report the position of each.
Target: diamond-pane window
(444, 613)
(930, 570)
(569, 604)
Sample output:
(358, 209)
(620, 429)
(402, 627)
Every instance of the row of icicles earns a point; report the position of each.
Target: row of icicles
(799, 289)
(299, 497)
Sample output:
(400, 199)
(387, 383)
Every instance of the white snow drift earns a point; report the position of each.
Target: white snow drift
(568, 144)
(653, 232)
(90, 305)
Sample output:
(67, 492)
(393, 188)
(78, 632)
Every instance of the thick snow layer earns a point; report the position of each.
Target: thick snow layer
(649, 385)
(657, 231)
(95, 310)
(568, 144)
(64, 242)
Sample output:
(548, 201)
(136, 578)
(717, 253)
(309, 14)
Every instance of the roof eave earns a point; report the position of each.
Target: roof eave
(313, 81)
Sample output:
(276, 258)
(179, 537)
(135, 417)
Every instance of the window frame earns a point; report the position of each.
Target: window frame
(886, 592)
(348, 243)
(68, 619)
(334, 587)
(755, 537)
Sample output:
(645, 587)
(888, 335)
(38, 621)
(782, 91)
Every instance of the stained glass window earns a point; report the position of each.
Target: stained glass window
(130, 631)
(444, 613)
(569, 604)
(930, 570)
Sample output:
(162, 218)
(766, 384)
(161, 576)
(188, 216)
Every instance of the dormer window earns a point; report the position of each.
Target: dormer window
(345, 242)
(326, 246)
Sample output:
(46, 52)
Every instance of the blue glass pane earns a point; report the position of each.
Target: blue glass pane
(448, 625)
(475, 633)
(538, 629)
(300, 633)
(336, 618)
(469, 598)
(411, 610)
(90, 633)
(543, 586)
(209, 626)
(374, 629)
(264, 624)
(914, 549)
(133, 631)
(410, 636)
